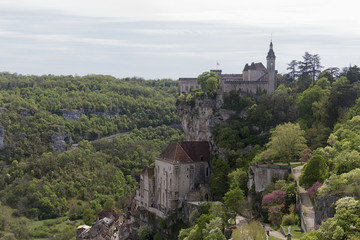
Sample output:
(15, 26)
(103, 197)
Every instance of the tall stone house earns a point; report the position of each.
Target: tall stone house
(181, 173)
(254, 77)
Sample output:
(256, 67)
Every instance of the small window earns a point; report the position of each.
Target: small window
(202, 158)
(207, 171)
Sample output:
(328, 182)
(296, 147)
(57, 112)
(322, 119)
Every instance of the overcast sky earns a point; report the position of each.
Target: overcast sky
(170, 39)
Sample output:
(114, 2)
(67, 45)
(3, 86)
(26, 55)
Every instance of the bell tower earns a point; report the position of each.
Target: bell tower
(272, 73)
(271, 59)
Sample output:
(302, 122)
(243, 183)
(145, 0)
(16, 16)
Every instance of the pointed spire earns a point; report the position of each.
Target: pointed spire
(271, 53)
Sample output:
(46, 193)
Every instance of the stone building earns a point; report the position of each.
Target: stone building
(181, 173)
(254, 77)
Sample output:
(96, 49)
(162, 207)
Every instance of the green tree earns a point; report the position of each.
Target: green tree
(194, 234)
(213, 228)
(346, 161)
(89, 216)
(238, 178)
(315, 170)
(234, 200)
(253, 230)
(286, 142)
(144, 232)
(208, 81)
(218, 178)
(109, 204)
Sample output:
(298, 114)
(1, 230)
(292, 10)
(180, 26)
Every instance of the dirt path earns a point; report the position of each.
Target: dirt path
(306, 203)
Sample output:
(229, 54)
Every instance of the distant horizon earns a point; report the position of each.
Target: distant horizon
(163, 39)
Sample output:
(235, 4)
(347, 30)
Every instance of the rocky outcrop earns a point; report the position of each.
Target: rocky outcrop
(59, 140)
(198, 120)
(27, 112)
(2, 137)
(72, 115)
(261, 175)
(325, 207)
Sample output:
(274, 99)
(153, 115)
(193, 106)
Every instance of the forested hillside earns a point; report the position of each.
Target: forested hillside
(39, 180)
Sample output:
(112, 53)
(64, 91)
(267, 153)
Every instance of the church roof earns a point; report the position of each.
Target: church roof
(186, 152)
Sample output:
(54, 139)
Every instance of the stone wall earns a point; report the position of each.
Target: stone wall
(261, 175)
(325, 207)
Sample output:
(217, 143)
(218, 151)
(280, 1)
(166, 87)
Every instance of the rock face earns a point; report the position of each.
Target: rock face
(325, 207)
(60, 140)
(72, 115)
(27, 112)
(2, 137)
(199, 119)
(261, 175)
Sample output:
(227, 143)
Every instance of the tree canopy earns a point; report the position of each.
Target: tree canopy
(287, 141)
(209, 81)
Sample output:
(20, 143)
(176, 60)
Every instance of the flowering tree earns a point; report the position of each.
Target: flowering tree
(312, 191)
(274, 203)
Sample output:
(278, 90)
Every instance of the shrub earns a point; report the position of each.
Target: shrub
(144, 232)
(315, 170)
(313, 190)
(290, 219)
(275, 213)
(275, 198)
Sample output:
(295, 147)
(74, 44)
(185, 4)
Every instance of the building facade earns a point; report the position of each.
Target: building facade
(181, 173)
(254, 77)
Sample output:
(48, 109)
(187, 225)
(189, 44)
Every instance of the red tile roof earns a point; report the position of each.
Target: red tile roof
(186, 152)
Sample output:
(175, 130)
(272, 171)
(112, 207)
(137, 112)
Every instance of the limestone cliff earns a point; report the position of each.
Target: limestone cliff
(59, 140)
(199, 118)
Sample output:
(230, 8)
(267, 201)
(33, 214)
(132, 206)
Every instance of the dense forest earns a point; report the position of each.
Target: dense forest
(89, 172)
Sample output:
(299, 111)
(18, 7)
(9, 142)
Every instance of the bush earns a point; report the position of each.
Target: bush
(290, 219)
(274, 198)
(315, 170)
(158, 236)
(144, 232)
(313, 190)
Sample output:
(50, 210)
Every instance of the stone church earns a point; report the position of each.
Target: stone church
(181, 173)
(254, 77)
